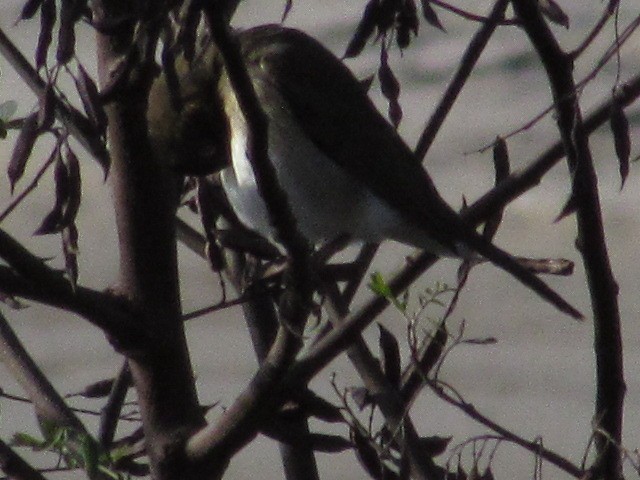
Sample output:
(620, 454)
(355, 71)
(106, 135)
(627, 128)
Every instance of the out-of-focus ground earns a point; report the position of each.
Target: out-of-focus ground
(538, 378)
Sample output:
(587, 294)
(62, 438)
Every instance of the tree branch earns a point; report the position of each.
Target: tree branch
(592, 245)
(15, 467)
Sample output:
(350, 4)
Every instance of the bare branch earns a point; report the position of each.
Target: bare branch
(592, 244)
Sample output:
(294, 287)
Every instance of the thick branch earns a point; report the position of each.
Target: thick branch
(602, 286)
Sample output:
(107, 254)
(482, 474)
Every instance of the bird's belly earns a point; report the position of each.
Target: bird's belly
(325, 200)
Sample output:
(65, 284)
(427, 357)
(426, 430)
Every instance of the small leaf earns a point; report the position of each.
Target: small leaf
(501, 159)
(553, 12)
(48, 15)
(287, 9)
(99, 389)
(316, 406)
(22, 149)
(390, 88)
(430, 15)
(52, 223)
(434, 446)
(90, 98)
(366, 454)
(74, 194)
(90, 455)
(46, 112)
(22, 439)
(502, 168)
(321, 442)
(364, 30)
(361, 397)
(8, 110)
(621, 138)
(29, 9)
(66, 34)
(390, 353)
(407, 24)
(70, 250)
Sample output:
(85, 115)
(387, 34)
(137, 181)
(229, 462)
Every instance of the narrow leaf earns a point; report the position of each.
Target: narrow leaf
(622, 139)
(46, 111)
(99, 389)
(22, 149)
(91, 101)
(366, 454)
(390, 354)
(407, 24)
(47, 21)
(287, 9)
(361, 397)
(66, 34)
(364, 30)
(29, 9)
(434, 446)
(74, 193)
(553, 12)
(390, 88)
(430, 15)
(70, 250)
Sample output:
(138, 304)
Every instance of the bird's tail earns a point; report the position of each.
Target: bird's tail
(509, 264)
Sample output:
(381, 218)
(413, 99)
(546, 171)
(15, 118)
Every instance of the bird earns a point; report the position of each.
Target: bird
(345, 169)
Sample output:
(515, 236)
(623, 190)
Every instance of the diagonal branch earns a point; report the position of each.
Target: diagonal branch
(15, 467)
(467, 64)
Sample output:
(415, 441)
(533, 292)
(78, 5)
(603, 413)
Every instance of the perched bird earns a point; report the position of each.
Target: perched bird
(344, 168)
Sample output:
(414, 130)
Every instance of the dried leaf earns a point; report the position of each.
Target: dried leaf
(390, 88)
(70, 250)
(29, 9)
(364, 29)
(501, 159)
(316, 406)
(91, 101)
(67, 33)
(287, 9)
(366, 454)
(46, 112)
(407, 24)
(553, 12)
(99, 389)
(502, 168)
(321, 442)
(22, 149)
(390, 354)
(52, 223)
(430, 15)
(621, 138)
(47, 21)
(434, 446)
(74, 194)
(361, 396)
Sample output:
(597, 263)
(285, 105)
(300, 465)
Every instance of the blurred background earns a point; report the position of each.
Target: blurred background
(537, 379)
